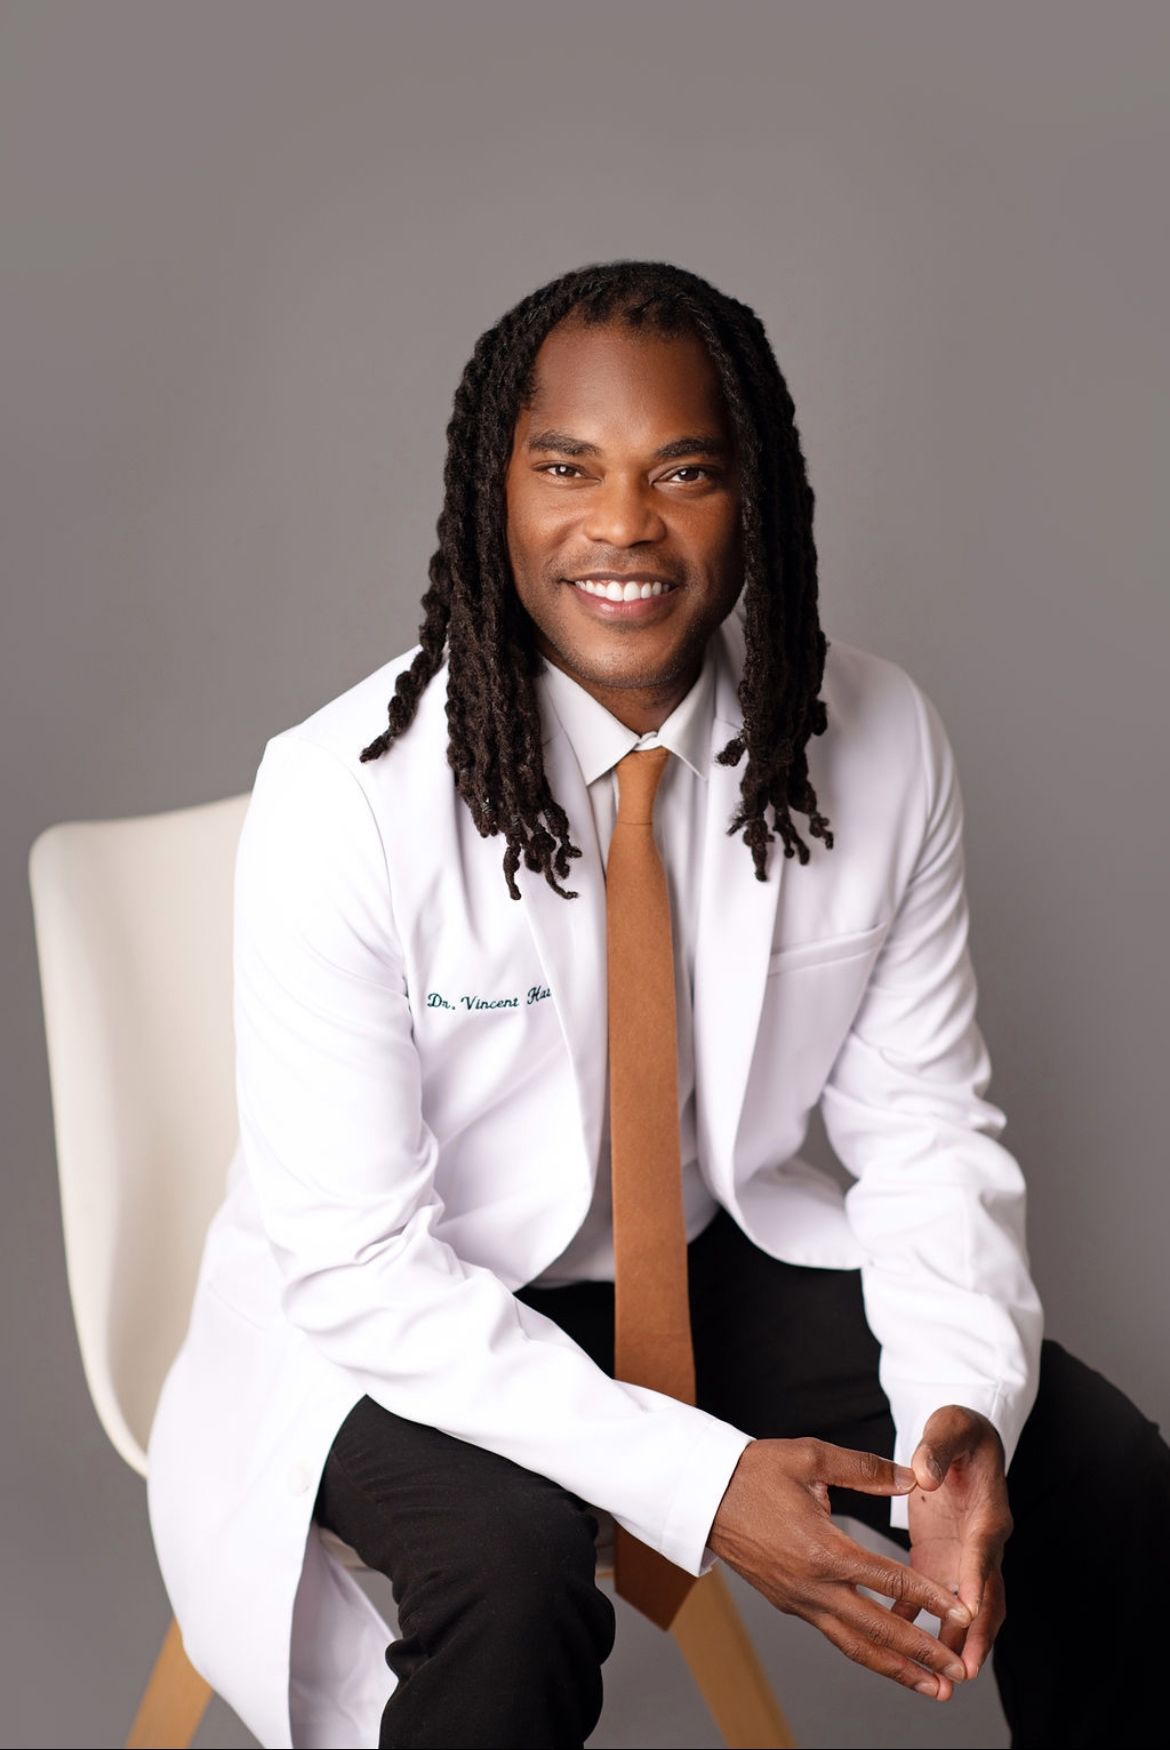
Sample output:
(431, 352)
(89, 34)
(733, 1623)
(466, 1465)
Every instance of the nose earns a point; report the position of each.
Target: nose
(623, 513)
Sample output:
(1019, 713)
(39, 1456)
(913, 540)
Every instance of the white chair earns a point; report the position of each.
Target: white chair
(133, 926)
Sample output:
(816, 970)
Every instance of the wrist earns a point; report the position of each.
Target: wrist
(722, 1539)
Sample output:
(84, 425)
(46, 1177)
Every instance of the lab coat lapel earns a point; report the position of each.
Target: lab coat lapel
(737, 920)
(570, 939)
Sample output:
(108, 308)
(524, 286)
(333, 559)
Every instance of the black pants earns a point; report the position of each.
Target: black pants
(504, 1632)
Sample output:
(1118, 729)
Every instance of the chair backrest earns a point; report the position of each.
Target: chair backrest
(133, 926)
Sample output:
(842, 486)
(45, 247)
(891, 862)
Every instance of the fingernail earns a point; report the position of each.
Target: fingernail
(935, 1468)
(956, 1671)
(906, 1478)
(958, 1613)
(927, 1688)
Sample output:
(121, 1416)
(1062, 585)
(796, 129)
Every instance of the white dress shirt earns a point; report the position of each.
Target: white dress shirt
(599, 740)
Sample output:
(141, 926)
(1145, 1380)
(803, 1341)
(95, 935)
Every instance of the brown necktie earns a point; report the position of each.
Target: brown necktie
(652, 1342)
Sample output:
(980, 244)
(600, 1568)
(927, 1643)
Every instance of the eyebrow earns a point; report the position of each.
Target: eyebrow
(564, 444)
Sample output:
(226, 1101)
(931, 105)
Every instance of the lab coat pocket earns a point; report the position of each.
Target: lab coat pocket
(826, 949)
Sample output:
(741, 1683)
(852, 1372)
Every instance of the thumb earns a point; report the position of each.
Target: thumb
(947, 1434)
(866, 1472)
(928, 1465)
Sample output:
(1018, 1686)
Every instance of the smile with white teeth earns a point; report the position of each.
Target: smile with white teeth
(614, 591)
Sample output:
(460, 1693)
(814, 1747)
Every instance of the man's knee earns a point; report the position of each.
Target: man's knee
(525, 1555)
(532, 1550)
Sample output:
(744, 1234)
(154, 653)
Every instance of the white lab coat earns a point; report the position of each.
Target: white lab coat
(420, 1078)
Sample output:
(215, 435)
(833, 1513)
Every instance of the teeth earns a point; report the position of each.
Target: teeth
(617, 591)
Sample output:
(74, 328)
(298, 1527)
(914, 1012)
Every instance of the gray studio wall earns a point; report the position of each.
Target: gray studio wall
(246, 249)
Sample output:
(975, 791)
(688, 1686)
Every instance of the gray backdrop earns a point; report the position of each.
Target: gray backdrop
(246, 249)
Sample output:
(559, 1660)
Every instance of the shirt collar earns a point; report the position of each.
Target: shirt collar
(599, 740)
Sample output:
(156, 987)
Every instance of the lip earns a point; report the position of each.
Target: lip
(603, 609)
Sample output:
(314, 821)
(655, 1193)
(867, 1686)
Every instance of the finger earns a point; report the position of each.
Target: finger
(909, 1612)
(952, 1632)
(978, 1558)
(896, 1580)
(887, 1662)
(886, 1630)
(981, 1635)
(928, 1465)
(845, 1468)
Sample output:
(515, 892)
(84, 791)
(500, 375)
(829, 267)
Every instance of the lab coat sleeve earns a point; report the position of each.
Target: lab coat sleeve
(939, 1202)
(343, 1163)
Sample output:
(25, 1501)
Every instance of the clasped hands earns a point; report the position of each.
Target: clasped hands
(775, 1527)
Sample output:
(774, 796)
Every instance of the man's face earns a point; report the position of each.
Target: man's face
(623, 468)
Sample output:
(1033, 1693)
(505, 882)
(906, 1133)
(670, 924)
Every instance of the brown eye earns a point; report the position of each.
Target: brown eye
(691, 468)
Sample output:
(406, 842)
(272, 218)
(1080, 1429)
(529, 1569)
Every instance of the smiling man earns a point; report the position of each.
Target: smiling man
(518, 1228)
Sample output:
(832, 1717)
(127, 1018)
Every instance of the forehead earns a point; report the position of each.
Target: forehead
(612, 375)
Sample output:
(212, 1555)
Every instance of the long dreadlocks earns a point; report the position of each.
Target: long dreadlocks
(473, 614)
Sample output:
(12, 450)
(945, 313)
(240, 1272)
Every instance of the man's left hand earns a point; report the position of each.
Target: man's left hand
(959, 1523)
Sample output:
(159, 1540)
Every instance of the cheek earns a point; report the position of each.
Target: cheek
(536, 532)
(522, 538)
(714, 532)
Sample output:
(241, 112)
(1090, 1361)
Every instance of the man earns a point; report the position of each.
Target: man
(518, 1229)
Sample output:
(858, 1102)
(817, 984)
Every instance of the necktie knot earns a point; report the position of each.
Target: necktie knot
(638, 775)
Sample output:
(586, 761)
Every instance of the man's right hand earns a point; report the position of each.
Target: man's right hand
(775, 1527)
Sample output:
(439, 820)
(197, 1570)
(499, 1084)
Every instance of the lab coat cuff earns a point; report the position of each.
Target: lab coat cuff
(912, 1404)
(712, 1456)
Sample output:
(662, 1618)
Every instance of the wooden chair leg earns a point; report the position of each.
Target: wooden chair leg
(723, 1663)
(173, 1702)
